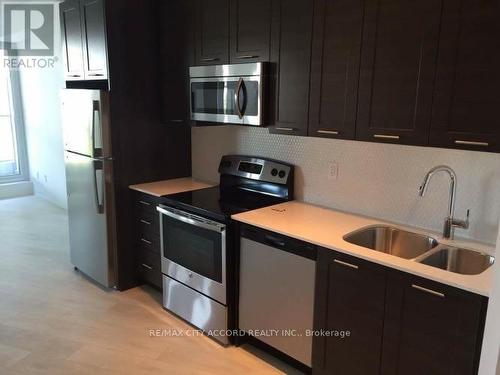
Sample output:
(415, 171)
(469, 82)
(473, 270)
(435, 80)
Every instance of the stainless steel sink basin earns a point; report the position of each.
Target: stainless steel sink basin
(462, 261)
(392, 241)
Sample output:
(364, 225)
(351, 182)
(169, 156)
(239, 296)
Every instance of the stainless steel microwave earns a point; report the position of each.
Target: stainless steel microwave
(233, 94)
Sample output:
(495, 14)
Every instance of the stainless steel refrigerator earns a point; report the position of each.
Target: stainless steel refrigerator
(89, 181)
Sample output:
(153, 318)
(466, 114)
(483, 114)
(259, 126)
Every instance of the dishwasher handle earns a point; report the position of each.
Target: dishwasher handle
(279, 241)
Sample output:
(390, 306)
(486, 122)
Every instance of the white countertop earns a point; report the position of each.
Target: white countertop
(173, 186)
(327, 227)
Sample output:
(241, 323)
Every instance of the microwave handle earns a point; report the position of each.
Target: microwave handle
(237, 98)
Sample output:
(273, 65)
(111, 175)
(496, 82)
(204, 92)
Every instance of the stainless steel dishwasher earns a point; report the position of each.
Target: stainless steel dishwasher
(276, 291)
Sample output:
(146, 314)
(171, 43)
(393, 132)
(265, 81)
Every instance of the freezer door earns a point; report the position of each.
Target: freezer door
(82, 121)
(89, 241)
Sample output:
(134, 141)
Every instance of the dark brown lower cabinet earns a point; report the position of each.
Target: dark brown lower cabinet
(350, 296)
(399, 324)
(147, 239)
(431, 328)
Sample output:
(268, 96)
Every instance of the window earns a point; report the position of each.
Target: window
(13, 160)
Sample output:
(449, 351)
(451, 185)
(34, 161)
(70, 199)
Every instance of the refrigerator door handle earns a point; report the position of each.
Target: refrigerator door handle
(96, 112)
(98, 166)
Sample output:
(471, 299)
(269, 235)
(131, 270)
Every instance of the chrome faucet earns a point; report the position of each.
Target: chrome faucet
(450, 222)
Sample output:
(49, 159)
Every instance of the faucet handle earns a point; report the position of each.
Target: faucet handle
(463, 224)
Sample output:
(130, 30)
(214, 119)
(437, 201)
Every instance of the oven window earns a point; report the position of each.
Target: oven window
(197, 249)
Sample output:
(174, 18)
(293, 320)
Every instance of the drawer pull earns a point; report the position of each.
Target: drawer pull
(430, 291)
(207, 59)
(145, 203)
(332, 132)
(346, 264)
(145, 222)
(471, 143)
(146, 241)
(247, 57)
(146, 266)
(383, 136)
(286, 129)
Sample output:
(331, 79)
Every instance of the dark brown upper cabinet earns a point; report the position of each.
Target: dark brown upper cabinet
(335, 68)
(176, 41)
(350, 296)
(250, 30)
(212, 32)
(291, 37)
(400, 39)
(94, 39)
(71, 34)
(466, 99)
(431, 328)
(83, 29)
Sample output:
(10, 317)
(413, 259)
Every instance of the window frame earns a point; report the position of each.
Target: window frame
(18, 118)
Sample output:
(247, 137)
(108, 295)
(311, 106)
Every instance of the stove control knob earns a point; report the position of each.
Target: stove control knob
(274, 172)
(282, 174)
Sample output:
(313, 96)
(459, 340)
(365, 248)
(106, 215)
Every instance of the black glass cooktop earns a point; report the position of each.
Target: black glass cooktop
(210, 202)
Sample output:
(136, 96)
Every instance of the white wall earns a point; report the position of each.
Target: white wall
(490, 364)
(40, 90)
(378, 180)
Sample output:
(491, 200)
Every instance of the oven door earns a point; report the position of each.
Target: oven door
(194, 251)
(236, 100)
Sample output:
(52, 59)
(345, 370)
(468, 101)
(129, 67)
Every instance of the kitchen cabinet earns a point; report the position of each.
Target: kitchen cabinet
(83, 29)
(291, 37)
(71, 35)
(399, 323)
(466, 99)
(335, 62)
(350, 296)
(94, 39)
(400, 40)
(176, 39)
(212, 32)
(147, 239)
(431, 328)
(250, 30)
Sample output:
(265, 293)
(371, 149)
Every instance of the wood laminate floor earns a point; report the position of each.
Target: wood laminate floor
(55, 321)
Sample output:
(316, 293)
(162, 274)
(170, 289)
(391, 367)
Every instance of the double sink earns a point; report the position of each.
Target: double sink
(420, 248)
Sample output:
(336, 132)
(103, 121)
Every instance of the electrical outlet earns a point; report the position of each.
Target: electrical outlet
(333, 170)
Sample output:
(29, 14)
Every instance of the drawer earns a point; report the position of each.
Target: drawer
(145, 204)
(149, 242)
(148, 224)
(149, 268)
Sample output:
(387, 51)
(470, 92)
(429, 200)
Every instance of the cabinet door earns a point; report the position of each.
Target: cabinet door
(291, 65)
(176, 55)
(431, 328)
(397, 70)
(350, 296)
(94, 39)
(212, 32)
(250, 30)
(71, 34)
(335, 68)
(466, 100)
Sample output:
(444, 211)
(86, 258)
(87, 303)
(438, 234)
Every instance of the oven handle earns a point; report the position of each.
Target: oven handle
(197, 221)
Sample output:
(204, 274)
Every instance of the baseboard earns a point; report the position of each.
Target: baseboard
(16, 189)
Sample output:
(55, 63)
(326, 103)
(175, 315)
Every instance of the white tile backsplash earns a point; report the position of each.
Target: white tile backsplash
(378, 180)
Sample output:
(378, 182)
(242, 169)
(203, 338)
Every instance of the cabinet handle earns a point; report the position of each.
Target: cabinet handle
(332, 132)
(176, 120)
(287, 129)
(74, 75)
(95, 75)
(146, 241)
(145, 203)
(383, 136)
(145, 222)
(346, 264)
(247, 57)
(471, 143)
(430, 291)
(146, 266)
(210, 59)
